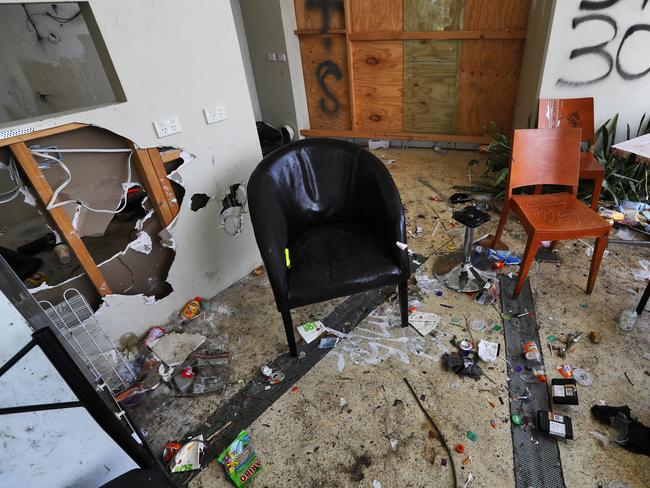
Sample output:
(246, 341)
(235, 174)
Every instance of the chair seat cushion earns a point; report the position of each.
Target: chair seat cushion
(337, 260)
(558, 213)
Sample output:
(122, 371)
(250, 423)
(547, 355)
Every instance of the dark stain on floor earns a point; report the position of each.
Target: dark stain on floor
(356, 470)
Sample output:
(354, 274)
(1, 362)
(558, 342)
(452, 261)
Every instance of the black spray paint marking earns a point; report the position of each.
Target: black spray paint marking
(325, 69)
(597, 49)
(600, 49)
(326, 7)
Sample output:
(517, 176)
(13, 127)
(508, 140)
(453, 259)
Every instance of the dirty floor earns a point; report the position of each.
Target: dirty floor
(332, 430)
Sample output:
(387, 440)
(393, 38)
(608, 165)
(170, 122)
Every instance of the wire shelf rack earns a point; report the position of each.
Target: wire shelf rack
(77, 323)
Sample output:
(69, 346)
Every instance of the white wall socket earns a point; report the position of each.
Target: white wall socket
(215, 114)
(167, 127)
(282, 57)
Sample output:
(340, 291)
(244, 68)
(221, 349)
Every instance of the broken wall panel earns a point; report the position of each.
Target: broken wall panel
(97, 178)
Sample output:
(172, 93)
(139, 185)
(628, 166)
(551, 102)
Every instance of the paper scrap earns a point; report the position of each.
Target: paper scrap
(311, 330)
(424, 322)
(488, 351)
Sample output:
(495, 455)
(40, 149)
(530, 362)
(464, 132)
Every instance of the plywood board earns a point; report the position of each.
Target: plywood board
(496, 14)
(378, 84)
(425, 15)
(376, 15)
(430, 86)
(489, 76)
(326, 81)
(321, 15)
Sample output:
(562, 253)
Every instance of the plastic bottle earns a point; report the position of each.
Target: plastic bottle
(540, 373)
(627, 320)
(395, 424)
(531, 351)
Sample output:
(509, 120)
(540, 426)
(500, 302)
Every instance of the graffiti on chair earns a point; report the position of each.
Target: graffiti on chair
(595, 16)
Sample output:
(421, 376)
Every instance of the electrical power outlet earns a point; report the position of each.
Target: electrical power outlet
(167, 127)
(215, 114)
(282, 57)
(271, 57)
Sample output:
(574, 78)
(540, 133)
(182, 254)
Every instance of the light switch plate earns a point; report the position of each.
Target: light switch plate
(167, 127)
(216, 113)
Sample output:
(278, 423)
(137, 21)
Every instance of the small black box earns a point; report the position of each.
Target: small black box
(564, 391)
(553, 424)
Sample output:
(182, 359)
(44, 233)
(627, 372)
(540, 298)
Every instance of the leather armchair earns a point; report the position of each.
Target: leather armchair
(335, 208)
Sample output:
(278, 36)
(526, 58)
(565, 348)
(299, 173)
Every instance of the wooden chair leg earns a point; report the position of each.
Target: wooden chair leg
(529, 256)
(502, 223)
(288, 328)
(595, 196)
(599, 250)
(404, 302)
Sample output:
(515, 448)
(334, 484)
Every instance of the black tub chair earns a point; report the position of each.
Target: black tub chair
(335, 210)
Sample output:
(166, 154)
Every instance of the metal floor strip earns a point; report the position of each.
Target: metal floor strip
(536, 456)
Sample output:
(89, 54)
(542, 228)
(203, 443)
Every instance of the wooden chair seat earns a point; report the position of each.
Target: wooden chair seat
(553, 215)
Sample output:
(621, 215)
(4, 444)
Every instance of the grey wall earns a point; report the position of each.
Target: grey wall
(48, 65)
(265, 34)
(246, 57)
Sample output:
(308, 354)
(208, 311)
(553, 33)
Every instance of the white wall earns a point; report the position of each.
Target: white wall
(174, 58)
(58, 448)
(246, 57)
(570, 78)
(269, 28)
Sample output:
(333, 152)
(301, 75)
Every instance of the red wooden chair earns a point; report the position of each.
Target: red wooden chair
(550, 157)
(575, 112)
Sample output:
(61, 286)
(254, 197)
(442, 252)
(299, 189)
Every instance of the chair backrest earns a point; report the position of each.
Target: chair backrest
(545, 157)
(563, 113)
(314, 179)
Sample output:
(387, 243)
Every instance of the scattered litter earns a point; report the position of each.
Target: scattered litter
(240, 460)
(424, 322)
(445, 305)
(516, 419)
(273, 377)
(401, 245)
(378, 144)
(565, 370)
(643, 274)
(584, 305)
(647, 356)
(395, 428)
(376, 484)
(571, 340)
(595, 337)
(173, 349)
(493, 423)
(259, 271)
(191, 309)
(302, 355)
(552, 339)
(343, 402)
(496, 328)
(328, 342)
(311, 330)
(627, 320)
(443, 462)
(294, 389)
(189, 456)
(564, 391)
(618, 484)
(531, 351)
(419, 231)
(472, 436)
(554, 424)
(459, 448)
(478, 325)
(427, 284)
(488, 351)
(462, 366)
(153, 335)
(387, 161)
(602, 438)
(456, 320)
(470, 477)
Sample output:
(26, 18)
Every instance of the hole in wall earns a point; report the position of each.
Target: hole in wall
(199, 201)
(124, 243)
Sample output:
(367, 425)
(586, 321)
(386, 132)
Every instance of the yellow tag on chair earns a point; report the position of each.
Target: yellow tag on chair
(286, 256)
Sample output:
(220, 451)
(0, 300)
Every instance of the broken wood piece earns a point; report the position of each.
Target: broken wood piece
(170, 155)
(41, 133)
(435, 426)
(152, 184)
(38, 182)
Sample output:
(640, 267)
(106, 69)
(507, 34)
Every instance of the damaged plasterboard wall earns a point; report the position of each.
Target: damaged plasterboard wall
(207, 259)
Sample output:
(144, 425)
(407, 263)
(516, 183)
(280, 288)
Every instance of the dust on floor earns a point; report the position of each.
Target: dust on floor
(332, 430)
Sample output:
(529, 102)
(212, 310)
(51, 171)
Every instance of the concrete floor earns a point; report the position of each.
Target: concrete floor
(332, 431)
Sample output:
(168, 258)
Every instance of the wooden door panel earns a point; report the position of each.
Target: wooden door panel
(496, 14)
(378, 84)
(323, 15)
(326, 81)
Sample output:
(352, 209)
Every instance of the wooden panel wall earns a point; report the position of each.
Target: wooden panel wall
(311, 18)
(431, 86)
(487, 91)
(326, 82)
(496, 14)
(376, 15)
(416, 69)
(378, 79)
